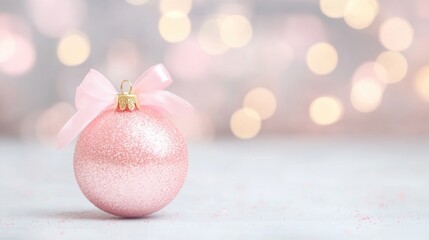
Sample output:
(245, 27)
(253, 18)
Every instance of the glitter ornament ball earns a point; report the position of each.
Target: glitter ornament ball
(130, 163)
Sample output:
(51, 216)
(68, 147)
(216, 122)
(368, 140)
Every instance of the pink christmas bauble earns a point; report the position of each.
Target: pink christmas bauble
(130, 163)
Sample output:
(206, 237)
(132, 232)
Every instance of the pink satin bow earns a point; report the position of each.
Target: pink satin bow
(96, 94)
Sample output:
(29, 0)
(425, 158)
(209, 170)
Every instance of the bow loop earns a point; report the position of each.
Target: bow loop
(155, 78)
(96, 94)
(96, 85)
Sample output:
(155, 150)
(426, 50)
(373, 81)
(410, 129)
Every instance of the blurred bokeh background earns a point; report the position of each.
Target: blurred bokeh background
(251, 68)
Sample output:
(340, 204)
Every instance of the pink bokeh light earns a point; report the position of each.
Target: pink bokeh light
(123, 61)
(302, 31)
(22, 59)
(17, 52)
(55, 18)
(187, 60)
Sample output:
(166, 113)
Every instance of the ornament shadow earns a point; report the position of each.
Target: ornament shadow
(92, 215)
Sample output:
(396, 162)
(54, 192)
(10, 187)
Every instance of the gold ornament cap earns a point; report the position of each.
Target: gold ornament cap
(127, 100)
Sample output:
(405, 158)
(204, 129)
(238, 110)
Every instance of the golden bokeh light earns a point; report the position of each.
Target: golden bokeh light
(326, 110)
(379, 71)
(360, 14)
(235, 31)
(73, 49)
(333, 8)
(396, 34)
(245, 123)
(421, 83)
(174, 26)
(262, 101)
(322, 58)
(175, 5)
(394, 64)
(209, 37)
(137, 2)
(366, 95)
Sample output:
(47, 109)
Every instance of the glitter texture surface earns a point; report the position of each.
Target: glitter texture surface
(131, 163)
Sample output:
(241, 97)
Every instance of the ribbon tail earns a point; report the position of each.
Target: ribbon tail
(166, 101)
(79, 121)
(81, 98)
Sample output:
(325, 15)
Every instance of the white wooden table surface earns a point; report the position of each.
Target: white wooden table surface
(294, 188)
